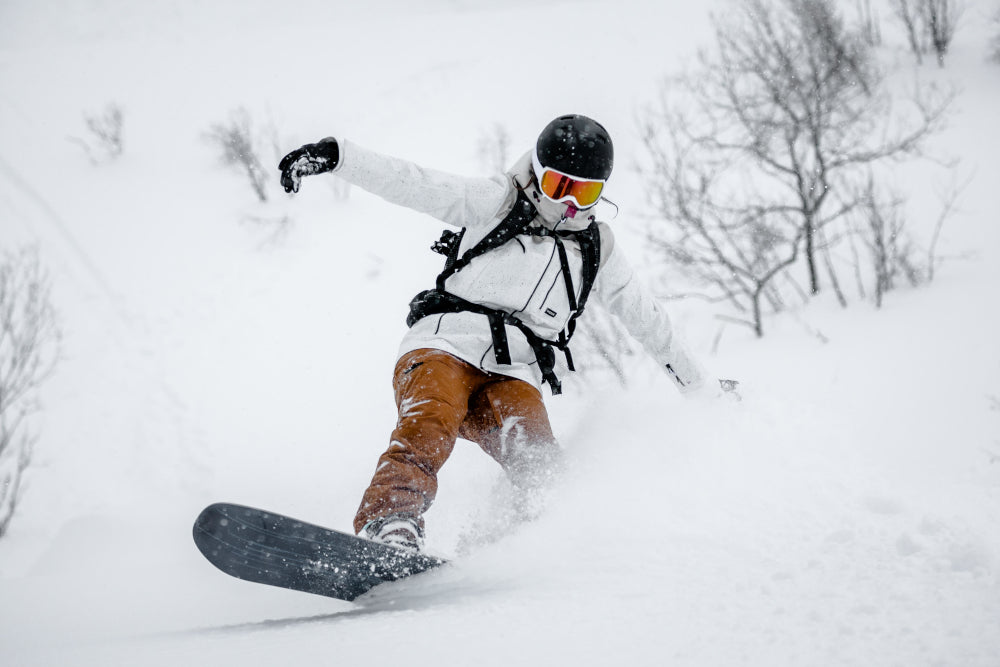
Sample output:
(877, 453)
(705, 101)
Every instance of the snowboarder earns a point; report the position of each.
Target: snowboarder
(483, 342)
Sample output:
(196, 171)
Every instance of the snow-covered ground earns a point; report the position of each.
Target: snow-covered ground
(846, 512)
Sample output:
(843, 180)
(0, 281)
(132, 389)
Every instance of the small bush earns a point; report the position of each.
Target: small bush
(105, 141)
(241, 144)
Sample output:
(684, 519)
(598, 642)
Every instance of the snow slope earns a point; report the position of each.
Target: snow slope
(845, 513)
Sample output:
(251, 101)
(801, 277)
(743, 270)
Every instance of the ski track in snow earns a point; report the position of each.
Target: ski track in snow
(844, 513)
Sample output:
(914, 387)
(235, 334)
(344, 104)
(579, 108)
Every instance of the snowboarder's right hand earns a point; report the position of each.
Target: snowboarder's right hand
(730, 389)
(726, 389)
(308, 160)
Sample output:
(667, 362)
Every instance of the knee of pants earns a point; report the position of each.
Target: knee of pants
(427, 424)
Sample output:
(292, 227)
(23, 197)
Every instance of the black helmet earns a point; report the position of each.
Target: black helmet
(577, 146)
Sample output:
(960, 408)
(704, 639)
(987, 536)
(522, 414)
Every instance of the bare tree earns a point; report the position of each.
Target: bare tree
(929, 24)
(881, 224)
(765, 141)
(708, 230)
(883, 234)
(29, 342)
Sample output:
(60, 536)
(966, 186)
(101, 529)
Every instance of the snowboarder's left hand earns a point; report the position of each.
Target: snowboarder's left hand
(308, 160)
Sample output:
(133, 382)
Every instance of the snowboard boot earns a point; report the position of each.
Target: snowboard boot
(395, 530)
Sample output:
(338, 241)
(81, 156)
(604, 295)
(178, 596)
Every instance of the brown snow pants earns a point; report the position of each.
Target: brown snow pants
(439, 398)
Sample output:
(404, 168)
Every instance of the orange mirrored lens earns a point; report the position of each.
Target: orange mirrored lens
(586, 192)
(557, 186)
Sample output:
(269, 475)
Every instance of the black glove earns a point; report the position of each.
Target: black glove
(309, 160)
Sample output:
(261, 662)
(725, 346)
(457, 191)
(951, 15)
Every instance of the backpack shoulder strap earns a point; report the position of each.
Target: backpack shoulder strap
(590, 246)
(522, 213)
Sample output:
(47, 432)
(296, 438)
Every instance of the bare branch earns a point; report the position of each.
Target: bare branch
(105, 141)
(29, 339)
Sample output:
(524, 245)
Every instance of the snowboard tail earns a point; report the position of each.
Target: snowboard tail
(268, 548)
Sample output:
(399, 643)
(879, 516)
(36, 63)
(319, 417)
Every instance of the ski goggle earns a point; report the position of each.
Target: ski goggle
(560, 187)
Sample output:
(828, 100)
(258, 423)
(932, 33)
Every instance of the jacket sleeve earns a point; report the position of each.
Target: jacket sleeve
(456, 200)
(646, 320)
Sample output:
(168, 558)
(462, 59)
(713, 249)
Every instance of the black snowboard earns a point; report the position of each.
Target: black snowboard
(269, 548)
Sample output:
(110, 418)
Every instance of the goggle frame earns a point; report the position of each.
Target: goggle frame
(540, 176)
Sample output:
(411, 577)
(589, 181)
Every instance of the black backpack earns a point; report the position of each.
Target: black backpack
(518, 221)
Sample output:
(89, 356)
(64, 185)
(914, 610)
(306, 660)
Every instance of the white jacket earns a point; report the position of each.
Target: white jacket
(523, 277)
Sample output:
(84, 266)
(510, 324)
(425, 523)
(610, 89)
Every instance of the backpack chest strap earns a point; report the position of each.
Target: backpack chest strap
(439, 302)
